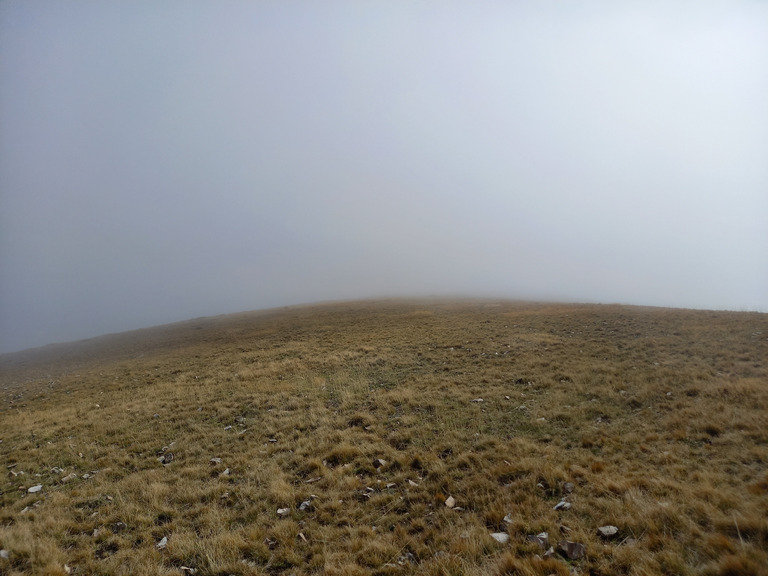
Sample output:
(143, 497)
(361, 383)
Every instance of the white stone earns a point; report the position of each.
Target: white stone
(162, 544)
(500, 537)
(34, 489)
(450, 502)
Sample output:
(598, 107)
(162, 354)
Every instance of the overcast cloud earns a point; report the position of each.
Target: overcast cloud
(166, 160)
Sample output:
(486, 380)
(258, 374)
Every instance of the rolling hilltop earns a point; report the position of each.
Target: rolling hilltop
(393, 437)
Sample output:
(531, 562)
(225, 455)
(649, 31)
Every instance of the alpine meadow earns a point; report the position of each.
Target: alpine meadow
(387, 437)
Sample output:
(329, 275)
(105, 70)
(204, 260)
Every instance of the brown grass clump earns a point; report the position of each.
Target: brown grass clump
(392, 438)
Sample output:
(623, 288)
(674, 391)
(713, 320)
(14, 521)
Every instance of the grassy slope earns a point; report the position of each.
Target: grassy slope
(657, 416)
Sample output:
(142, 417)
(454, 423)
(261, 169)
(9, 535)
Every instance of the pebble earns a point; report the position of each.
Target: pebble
(162, 544)
(562, 505)
(478, 400)
(283, 512)
(215, 461)
(450, 502)
(542, 539)
(306, 505)
(34, 489)
(608, 531)
(69, 478)
(573, 550)
(4, 554)
(379, 463)
(500, 537)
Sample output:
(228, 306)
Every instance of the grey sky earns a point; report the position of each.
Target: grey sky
(166, 160)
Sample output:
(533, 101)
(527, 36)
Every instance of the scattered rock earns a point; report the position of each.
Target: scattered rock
(69, 478)
(4, 554)
(568, 487)
(508, 518)
(187, 570)
(390, 485)
(225, 473)
(450, 502)
(57, 470)
(608, 531)
(306, 505)
(379, 463)
(542, 539)
(119, 527)
(478, 400)
(412, 483)
(283, 512)
(313, 480)
(500, 537)
(162, 544)
(271, 544)
(562, 505)
(273, 440)
(166, 458)
(156, 416)
(215, 461)
(34, 489)
(573, 550)
(227, 428)
(96, 532)
(549, 553)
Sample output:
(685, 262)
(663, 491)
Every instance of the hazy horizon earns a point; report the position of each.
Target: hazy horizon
(166, 161)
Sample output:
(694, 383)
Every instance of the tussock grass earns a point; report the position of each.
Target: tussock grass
(657, 417)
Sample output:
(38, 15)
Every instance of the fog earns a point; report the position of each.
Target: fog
(167, 160)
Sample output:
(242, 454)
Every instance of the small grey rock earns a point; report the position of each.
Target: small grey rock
(215, 461)
(573, 550)
(379, 463)
(162, 544)
(4, 554)
(542, 539)
(283, 512)
(608, 531)
(500, 537)
(562, 505)
(34, 489)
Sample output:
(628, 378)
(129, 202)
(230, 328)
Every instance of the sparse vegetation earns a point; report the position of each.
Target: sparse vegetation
(658, 418)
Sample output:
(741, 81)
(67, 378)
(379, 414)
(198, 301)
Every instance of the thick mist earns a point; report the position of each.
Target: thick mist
(162, 161)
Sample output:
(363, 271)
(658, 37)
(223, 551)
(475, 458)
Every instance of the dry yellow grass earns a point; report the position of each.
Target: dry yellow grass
(658, 418)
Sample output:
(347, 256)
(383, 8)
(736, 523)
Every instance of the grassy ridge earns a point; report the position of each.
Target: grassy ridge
(658, 418)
